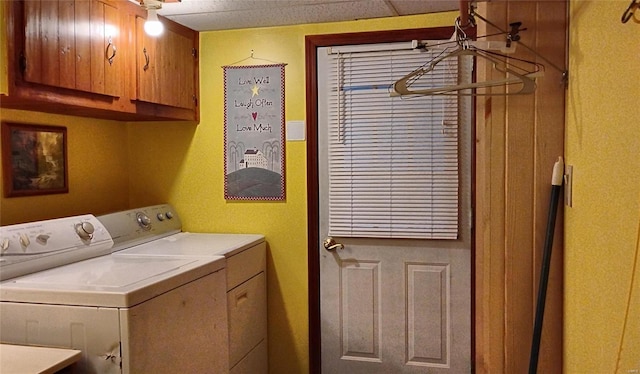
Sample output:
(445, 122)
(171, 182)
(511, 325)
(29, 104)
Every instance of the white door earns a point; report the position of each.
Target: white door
(393, 305)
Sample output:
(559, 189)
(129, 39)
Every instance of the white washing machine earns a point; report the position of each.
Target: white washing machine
(127, 313)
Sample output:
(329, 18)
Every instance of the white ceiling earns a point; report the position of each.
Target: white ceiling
(207, 15)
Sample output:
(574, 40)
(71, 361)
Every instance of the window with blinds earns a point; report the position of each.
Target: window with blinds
(393, 161)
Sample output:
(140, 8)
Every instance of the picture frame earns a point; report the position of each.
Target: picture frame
(34, 159)
(254, 136)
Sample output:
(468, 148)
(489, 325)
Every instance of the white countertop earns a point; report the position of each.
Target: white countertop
(22, 359)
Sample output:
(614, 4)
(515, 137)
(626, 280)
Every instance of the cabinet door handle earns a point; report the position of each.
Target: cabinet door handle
(146, 59)
(112, 55)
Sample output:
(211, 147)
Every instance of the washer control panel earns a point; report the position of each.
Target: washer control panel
(137, 226)
(40, 245)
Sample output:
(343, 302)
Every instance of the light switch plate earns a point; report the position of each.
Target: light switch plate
(296, 130)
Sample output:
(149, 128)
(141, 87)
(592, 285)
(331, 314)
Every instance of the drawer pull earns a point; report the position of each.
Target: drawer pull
(241, 298)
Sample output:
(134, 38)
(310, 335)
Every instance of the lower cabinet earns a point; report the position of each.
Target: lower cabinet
(247, 311)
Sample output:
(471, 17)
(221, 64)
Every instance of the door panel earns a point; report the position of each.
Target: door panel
(395, 308)
(428, 305)
(393, 305)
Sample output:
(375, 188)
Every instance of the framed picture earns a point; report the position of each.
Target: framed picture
(34, 159)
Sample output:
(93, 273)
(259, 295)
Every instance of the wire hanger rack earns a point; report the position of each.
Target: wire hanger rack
(519, 73)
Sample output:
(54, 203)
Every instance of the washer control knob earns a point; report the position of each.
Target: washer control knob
(85, 230)
(169, 215)
(42, 239)
(143, 220)
(160, 217)
(4, 245)
(24, 241)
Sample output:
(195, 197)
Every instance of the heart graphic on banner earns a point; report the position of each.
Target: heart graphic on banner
(254, 115)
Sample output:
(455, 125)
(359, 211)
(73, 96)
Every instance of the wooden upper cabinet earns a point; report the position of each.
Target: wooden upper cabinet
(92, 58)
(74, 44)
(166, 66)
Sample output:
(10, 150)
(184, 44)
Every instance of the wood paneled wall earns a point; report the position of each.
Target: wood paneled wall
(518, 140)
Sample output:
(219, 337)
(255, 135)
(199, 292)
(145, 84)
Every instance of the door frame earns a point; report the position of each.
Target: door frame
(312, 42)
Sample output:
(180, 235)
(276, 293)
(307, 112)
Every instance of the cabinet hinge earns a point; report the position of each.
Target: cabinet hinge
(194, 53)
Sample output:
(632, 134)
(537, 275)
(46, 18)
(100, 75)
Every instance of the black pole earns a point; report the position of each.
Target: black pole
(556, 185)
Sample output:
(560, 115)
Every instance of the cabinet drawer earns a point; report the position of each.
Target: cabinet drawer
(247, 306)
(256, 362)
(246, 264)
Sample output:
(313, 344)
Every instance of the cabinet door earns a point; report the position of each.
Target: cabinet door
(166, 67)
(74, 44)
(106, 67)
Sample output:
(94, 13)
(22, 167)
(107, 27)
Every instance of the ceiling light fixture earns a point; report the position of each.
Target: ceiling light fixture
(152, 26)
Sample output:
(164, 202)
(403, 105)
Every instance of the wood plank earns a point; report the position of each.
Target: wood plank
(50, 65)
(185, 85)
(163, 58)
(182, 68)
(67, 45)
(146, 61)
(33, 48)
(519, 309)
(130, 54)
(83, 45)
(550, 95)
(112, 43)
(97, 47)
(491, 121)
(497, 219)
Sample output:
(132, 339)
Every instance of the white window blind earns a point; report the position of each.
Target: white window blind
(393, 161)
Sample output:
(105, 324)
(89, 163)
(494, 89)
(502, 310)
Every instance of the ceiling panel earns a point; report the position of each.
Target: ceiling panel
(208, 15)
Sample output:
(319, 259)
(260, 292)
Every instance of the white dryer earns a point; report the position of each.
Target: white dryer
(246, 286)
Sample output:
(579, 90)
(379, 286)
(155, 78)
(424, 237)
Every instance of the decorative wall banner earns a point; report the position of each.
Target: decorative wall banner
(254, 132)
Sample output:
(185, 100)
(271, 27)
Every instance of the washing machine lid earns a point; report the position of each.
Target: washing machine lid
(196, 244)
(109, 281)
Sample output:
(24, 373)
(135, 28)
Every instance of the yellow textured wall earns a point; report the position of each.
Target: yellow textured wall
(183, 164)
(97, 168)
(602, 309)
(97, 161)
